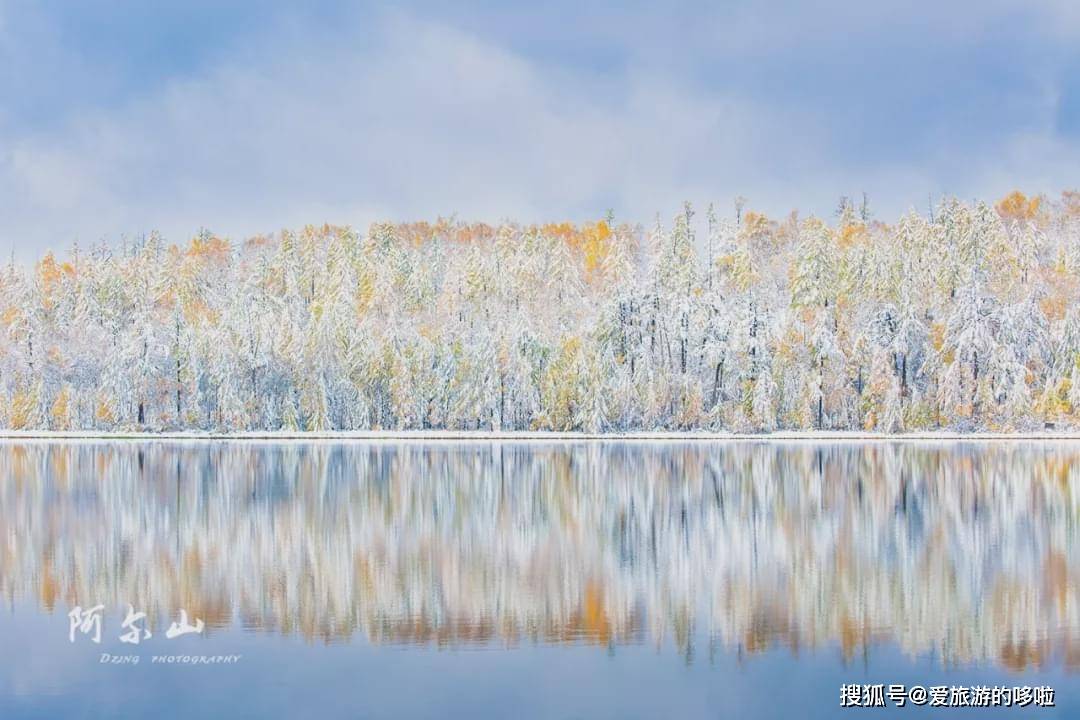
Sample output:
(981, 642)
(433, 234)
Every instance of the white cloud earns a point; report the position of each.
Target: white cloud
(430, 121)
(305, 127)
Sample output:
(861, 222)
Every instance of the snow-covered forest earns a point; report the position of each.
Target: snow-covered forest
(965, 317)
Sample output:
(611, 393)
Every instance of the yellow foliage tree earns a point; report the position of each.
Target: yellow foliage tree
(1017, 206)
(60, 413)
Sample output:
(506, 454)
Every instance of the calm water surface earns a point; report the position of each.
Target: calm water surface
(621, 580)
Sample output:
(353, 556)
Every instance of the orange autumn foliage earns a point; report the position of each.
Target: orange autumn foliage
(1017, 206)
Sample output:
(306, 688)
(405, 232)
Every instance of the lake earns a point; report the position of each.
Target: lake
(533, 579)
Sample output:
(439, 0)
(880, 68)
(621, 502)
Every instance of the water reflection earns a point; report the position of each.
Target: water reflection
(965, 552)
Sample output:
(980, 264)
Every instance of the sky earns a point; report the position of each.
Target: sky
(119, 117)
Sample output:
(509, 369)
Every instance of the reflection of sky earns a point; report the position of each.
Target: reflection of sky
(43, 676)
(123, 116)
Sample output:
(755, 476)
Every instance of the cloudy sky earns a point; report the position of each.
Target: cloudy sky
(119, 117)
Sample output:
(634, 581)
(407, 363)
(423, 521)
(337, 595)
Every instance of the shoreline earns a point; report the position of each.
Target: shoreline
(441, 436)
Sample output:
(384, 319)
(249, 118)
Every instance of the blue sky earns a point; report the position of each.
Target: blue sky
(118, 117)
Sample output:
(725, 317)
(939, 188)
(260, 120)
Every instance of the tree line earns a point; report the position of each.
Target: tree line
(965, 317)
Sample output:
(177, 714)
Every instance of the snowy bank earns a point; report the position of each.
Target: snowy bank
(428, 436)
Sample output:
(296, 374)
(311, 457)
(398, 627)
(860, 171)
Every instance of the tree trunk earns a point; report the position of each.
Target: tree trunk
(716, 383)
(178, 390)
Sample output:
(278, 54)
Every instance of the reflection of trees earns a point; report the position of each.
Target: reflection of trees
(965, 551)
